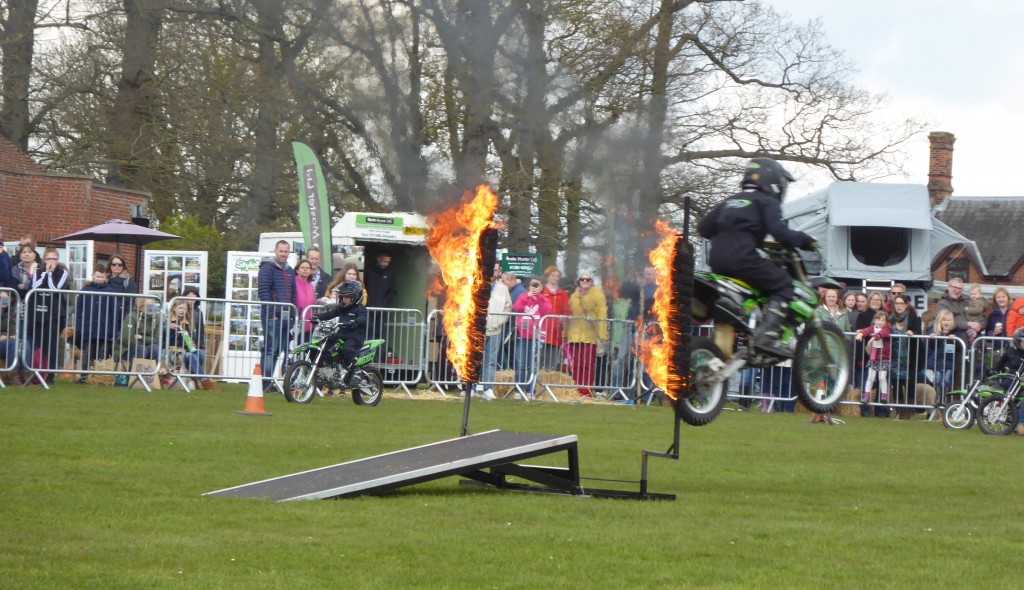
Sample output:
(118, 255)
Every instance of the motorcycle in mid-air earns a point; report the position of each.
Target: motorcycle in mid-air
(820, 353)
(317, 369)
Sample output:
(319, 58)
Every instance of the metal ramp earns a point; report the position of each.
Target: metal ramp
(467, 456)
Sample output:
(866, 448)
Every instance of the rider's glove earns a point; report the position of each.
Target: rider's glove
(810, 246)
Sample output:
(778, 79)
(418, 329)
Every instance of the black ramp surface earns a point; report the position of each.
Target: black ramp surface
(405, 467)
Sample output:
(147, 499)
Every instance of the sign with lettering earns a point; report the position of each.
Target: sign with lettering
(523, 264)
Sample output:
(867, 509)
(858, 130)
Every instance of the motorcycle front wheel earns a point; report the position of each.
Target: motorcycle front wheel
(707, 395)
(371, 390)
(997, 415)
(958, 416)
(299, 385)
(821, 368)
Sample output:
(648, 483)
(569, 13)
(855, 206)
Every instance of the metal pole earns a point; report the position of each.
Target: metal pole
(467, 392)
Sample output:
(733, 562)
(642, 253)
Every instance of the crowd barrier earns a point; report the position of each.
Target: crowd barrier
(227, 338)
(104, 337)
(84, 333)
(922, 371)
(508, 359)
(10, 304)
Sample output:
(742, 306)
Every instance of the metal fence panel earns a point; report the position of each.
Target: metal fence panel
(11, 340)
(92, 332)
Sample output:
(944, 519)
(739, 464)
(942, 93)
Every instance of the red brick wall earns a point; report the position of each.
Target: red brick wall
(52, 205)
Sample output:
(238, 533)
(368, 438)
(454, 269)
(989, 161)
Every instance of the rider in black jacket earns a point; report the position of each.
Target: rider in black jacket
(736, 228)
(1013, 357)
(351, 325)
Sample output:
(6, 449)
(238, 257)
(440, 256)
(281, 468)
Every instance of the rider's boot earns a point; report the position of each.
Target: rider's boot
(766, 336)
(352, 376)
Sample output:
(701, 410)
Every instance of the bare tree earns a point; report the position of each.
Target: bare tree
(593, 117)
(17, 36)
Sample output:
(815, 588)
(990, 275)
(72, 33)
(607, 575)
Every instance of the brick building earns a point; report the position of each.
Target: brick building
(993, 223)
(49, 205)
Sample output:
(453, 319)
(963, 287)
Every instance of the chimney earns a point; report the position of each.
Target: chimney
(940, 166)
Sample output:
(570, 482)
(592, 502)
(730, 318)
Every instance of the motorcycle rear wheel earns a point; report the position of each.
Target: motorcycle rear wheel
(299, 384)
(371, 393)
(821, 368)
(707, 396)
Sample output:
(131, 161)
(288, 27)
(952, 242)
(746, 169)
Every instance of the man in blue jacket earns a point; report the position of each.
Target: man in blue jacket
(277, 285)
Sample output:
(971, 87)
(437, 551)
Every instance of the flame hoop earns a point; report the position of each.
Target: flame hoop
(666, 352)
(463, 241)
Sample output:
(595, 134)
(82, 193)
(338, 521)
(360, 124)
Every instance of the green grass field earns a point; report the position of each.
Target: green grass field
(102, 488)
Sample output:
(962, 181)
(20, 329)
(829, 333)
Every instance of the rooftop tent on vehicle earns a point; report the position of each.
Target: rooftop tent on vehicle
(874, 230)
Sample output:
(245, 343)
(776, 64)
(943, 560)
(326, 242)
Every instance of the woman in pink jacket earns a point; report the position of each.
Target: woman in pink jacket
(305, 294)
(535, 306)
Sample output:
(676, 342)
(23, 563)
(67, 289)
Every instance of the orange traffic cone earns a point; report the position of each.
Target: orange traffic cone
(254, 401)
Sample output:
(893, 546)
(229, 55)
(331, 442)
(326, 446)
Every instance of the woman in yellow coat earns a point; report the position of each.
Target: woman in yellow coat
(586, 336)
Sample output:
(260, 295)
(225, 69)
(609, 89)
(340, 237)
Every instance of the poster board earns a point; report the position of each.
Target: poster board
(242, 344)
(166, 273)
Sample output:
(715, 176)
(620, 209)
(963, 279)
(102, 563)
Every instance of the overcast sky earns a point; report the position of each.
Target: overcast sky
(958, 65)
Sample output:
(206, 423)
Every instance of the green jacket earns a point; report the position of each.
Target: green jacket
(147, 326)
(842, 320)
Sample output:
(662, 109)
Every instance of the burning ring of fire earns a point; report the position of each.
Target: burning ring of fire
(662, 350)
(462, 241)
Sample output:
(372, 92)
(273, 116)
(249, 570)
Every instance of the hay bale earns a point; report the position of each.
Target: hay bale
(101, 365)
(562, 384)
(852, 395)
(926, 394)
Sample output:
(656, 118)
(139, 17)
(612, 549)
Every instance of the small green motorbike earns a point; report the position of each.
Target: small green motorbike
(962, 406)
(998, 414)
(317, 369)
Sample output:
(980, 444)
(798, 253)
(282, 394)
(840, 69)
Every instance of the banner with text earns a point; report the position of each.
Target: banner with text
(314, 211)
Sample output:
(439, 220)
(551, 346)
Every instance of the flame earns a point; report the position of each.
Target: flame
(608, 278)
(658, 346)
(454, 244)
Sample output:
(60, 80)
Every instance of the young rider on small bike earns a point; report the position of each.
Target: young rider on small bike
(351, 325)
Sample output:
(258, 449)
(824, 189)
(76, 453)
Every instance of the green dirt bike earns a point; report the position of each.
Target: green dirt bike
(820, 352)
(998, 414)
(317, 369)
(962, 406)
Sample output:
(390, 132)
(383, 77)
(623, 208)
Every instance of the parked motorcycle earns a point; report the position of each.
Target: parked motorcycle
(962, 406)
(998, 414)
(820, 353)
(318, 369)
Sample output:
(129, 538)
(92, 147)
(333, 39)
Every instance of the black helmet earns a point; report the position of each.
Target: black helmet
(349, 289)
(1018, 338)
(767, 176)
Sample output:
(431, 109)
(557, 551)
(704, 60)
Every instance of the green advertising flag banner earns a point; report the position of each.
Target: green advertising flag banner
(314, 212)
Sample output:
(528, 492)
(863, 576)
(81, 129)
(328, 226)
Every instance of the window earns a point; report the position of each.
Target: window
(958, 268)
(880, 246)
